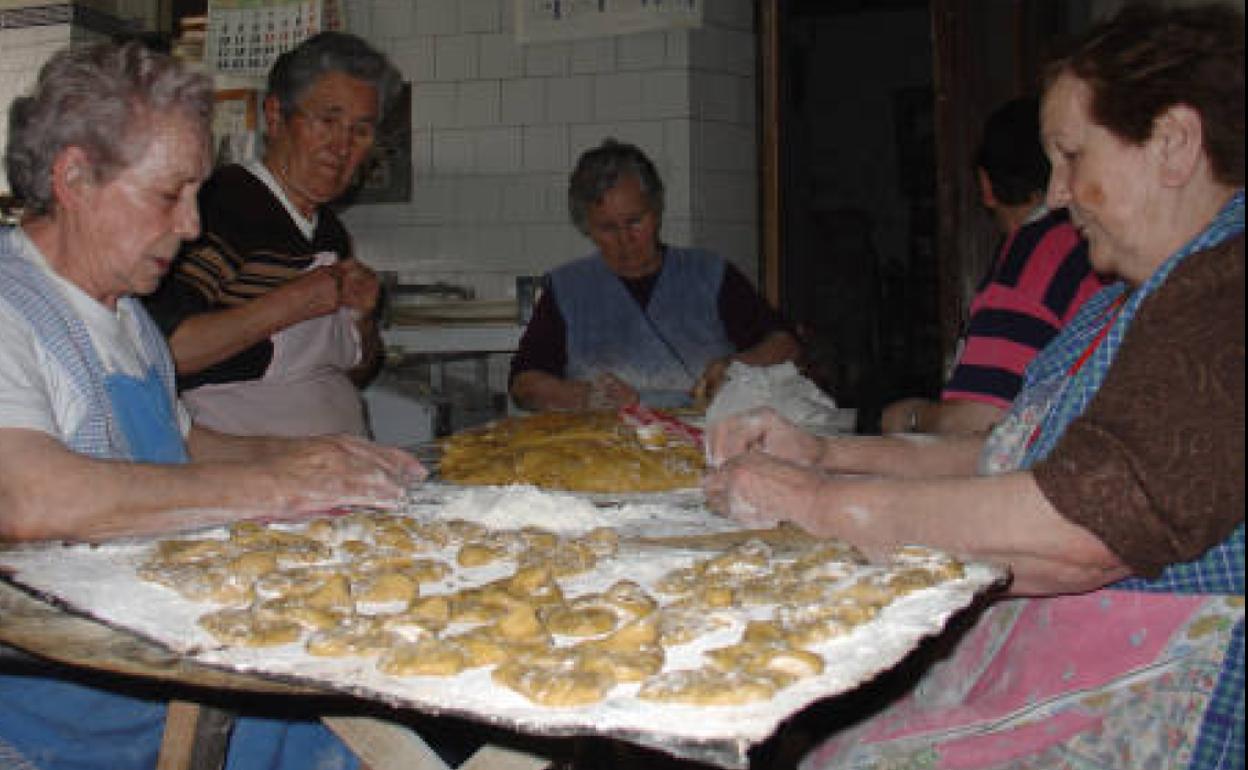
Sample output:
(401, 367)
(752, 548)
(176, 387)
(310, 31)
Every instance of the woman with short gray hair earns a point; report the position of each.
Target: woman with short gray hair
(100, 99)
(638, 320)
(600, 168)
(270, 315)
(297, 70)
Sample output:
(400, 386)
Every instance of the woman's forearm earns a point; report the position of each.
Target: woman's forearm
(209, 446)
(1003, 518)
(52, 493)
(49, 492)
(207, 339)
(902, 455)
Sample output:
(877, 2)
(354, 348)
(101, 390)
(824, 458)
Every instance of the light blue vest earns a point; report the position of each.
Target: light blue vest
(661, 350)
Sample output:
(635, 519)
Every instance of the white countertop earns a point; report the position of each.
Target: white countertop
(454, 338)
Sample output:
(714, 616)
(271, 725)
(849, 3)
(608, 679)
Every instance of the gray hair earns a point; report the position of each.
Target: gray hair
(301, 67)
(98, 98)
(600, 168)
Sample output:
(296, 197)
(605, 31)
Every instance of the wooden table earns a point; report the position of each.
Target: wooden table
(196, 735)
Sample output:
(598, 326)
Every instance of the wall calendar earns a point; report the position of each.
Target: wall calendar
(245, 36)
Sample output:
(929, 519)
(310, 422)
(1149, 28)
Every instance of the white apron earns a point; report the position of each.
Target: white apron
(304, 392)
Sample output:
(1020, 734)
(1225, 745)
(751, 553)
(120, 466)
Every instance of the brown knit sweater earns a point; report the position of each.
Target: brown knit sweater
(1155, 467)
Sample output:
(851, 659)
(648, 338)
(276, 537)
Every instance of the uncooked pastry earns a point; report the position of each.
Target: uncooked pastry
(590, 451)
(708, 687)
(369, 595)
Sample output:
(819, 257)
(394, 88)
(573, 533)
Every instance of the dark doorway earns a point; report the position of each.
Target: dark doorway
(873, 236)
(857, 165)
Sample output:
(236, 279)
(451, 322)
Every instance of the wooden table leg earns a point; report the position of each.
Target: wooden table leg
(384, 746)
(196, 737)
(497, 758)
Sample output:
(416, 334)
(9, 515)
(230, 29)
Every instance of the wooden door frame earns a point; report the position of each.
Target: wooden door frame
(770, 194)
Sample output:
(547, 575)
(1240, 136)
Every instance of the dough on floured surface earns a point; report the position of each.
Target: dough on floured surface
(575, 451)
(708, 687)
(245, 628)
(739, 620)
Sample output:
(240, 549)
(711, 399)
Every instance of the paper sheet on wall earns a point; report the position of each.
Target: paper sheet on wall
(539, 21)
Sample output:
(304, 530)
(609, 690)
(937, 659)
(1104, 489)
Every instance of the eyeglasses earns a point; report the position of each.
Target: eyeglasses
(611, 228)
(331, 123)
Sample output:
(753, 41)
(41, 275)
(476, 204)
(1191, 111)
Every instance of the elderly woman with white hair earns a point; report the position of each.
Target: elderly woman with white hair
(107, 154)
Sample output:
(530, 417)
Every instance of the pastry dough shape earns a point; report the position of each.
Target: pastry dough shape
(427, 657)
(631, 666)
(209, 581)
(244, 628)
(778, 661)
(630, 598)
(707, 687)
(557, 684)
(359, 635)
(311, 618)
(579, 621)
(479, 554)
(591, 451)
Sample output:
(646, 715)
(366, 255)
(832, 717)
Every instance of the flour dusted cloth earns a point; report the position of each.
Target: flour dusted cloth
(783, 388)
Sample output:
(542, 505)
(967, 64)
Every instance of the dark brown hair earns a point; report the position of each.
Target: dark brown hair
(1147, 59)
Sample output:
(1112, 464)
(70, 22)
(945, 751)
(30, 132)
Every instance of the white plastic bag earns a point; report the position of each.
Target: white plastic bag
(783, 388)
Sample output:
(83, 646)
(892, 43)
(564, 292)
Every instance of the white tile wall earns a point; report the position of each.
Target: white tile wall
(436, 17)
(392, 18)
(498, 126)
(478, 103)
(500, 56)
(594, 55)
(455, 57)
(642, 51)
(547, 59)
(570, 100)
(480, 15)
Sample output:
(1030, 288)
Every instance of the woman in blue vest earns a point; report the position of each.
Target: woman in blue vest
(106, 155)
(637, 320)
(1114, 486)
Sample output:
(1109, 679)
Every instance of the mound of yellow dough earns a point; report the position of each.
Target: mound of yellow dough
(574, 451)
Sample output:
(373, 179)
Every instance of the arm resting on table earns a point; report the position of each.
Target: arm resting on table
(49, 492)
(1003, 518)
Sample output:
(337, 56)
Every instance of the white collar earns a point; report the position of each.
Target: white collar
(1035, 215)
(306, 225)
